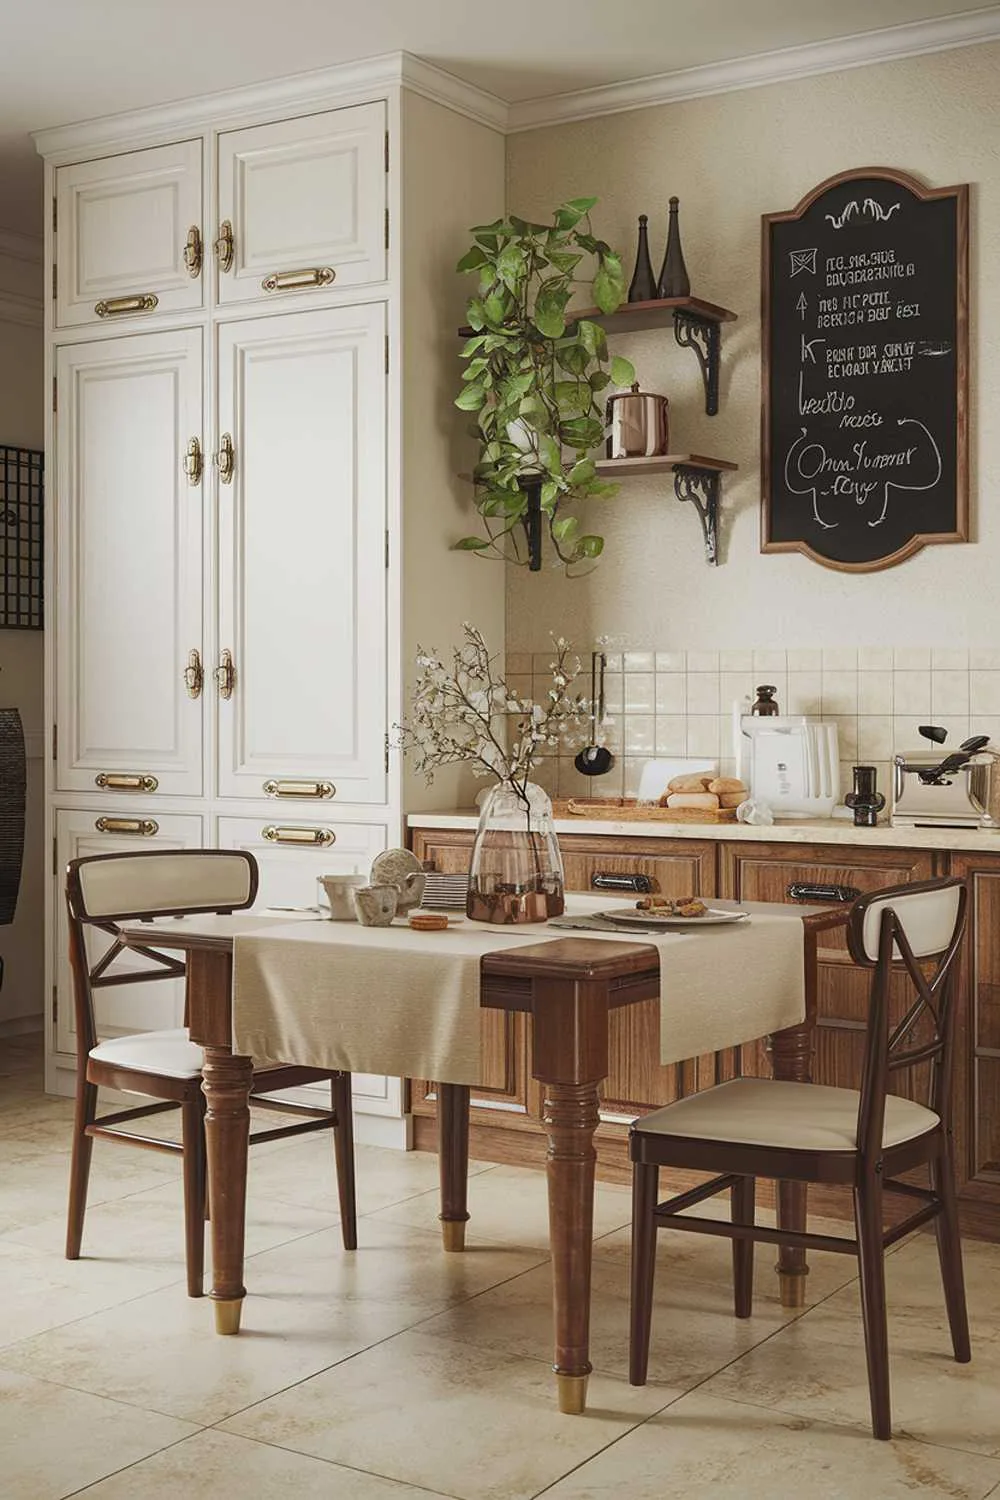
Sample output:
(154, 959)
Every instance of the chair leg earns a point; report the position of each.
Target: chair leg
(949, 1245)
(871, 1261)
(79, 1173)
(645, 1189)
(742, 1212)
(195, 1178)
(343, 1146)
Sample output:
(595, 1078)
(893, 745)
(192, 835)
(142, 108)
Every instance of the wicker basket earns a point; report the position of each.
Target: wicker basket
(628, 810)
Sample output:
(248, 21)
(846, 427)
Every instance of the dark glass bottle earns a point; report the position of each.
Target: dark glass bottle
(674, 280)
(643, 284)
(765, 704)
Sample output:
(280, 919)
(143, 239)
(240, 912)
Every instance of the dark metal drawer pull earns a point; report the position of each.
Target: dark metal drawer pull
(806, 890)
(602, 882)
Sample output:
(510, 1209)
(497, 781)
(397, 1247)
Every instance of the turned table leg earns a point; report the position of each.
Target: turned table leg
(226, 1084)
(570, 1117)
(453, 1162)
(791, 1052)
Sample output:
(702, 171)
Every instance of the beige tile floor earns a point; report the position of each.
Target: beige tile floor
(400, 1372)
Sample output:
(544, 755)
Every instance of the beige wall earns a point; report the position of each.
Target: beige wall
(453, 176)
(21, 423)
(731, 158)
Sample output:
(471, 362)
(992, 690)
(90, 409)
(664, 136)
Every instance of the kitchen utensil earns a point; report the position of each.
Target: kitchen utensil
(595, 759)
(638, 424)
(933, 732)
(865, 802)
(975, 744)
(336, 889)
(375, 905)
(628, 916)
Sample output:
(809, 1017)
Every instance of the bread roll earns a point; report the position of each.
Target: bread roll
(693, 799)
(692, 781)
(731, 799)
(727, 784)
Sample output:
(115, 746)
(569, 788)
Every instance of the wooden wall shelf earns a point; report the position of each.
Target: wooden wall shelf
(696, 478)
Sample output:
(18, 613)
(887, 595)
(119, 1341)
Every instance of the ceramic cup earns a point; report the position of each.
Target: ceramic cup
(375, 905)
(337, 891)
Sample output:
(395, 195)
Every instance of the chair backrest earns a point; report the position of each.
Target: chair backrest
(103, 890)
(908, 935)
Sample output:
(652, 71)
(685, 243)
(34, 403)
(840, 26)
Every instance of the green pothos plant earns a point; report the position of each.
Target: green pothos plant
(534, 377)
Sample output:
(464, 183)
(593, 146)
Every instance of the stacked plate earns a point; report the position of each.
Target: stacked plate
(445, 892)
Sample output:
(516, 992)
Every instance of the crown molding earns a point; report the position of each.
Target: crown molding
(321, 88)
(966, 29)
(15, 246)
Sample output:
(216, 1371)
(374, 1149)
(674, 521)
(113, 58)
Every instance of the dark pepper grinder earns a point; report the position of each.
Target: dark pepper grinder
(765, 704)
(865, 802)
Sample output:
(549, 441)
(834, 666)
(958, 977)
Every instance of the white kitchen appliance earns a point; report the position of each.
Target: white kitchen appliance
(789, 761)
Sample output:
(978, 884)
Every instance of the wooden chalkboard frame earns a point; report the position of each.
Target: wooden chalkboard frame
(960, 193)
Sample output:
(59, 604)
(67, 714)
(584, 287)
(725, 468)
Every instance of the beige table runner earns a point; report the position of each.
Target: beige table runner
(395, 1001)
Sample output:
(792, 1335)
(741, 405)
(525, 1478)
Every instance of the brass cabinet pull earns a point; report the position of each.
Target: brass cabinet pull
(318, 837)
(146, 827)
(297, 281)
(299, 789)
(193, 462)
(226, 458)
(194, 674)
(112, 781)
(225, 674)
(193, 251)
(225, 250)
(113, 307)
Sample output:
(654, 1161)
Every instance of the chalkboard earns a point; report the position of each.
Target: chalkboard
(865, 371)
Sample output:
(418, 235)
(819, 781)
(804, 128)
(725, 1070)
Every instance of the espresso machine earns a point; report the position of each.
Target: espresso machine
(934, 790)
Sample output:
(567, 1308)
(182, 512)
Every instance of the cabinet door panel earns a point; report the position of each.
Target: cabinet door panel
(289, 870)
(301, 195)
(121, 1008)
(129, 559)
(302, 563)
(122, 228)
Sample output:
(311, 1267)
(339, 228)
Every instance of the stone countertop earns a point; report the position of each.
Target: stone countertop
(812, 831)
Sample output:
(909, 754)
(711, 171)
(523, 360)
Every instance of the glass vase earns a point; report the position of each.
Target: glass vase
(516, 873)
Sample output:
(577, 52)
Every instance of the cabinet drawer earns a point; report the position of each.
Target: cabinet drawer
(120, 1008)
(129, 236)
(302, 206)
(292, 852)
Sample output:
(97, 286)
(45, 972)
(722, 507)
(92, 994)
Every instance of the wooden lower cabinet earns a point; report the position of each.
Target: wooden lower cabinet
(505, 1112)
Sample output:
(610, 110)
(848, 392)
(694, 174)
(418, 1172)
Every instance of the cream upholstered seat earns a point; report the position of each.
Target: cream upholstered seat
(906, 939)
(171, 1053)
(795, 1116)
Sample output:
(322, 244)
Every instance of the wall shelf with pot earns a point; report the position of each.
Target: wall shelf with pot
(696, 323)
(696, 478)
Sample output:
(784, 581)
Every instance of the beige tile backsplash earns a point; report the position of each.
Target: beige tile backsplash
(677, 703)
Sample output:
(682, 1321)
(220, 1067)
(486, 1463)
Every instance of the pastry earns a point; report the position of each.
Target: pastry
(707, 800)
(727, 784)
(732, 799)
(672, 906)
(691, 781)
(428, 921)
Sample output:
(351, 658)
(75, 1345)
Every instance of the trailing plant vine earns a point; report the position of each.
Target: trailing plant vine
(533, 377)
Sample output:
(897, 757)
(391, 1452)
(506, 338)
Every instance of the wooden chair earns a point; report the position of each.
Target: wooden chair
(749, 1128)
(101, 891)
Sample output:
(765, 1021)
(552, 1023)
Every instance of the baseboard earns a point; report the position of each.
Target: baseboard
(22, 1025)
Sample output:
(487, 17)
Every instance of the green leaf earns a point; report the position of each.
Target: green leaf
(565, 528)
(472, 398)
(581, 432)
(593, 338)
(590, 546)
(470, 346)
(573, 398)
(470, 544)
(582, 470)
(599, 380)
(550, 305)
(548, 452)
(472, 259)
(550, 493)
(516, 387)
(475, 367)
(607, 290)
(476, 314)
(494, 308)
(568, 215)
(564, 261)
(511, 265)
(572, 356)
(622, 370)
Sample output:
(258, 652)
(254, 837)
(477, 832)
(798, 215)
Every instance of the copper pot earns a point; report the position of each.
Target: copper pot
(637, 424)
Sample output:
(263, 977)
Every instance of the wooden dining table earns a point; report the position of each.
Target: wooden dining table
(570, 987)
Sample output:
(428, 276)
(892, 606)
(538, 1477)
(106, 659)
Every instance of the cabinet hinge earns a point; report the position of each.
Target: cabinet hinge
(55, 281)
(55, 856)
(387, 229)
(387, 354)
(55, 394)
(55, 741)
(387, 151)
(55, 1003)
(55, 214)
(387, 752)
(387, 547)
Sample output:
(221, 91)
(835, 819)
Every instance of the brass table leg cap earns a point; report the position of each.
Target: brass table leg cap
(572, 1394)
(227, 1315)
(453, 1234)
(793, 1288)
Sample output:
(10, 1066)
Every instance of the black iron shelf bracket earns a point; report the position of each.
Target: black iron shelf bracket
(532, 523)
(701, 335)
(701, 487)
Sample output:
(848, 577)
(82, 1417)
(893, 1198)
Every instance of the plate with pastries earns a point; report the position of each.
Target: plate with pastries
(673, 911)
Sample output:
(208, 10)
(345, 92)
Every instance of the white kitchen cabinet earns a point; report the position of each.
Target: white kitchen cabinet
(302, 205)
(128, 235)
(128, 546)
(302, 557)
(119, 1008)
